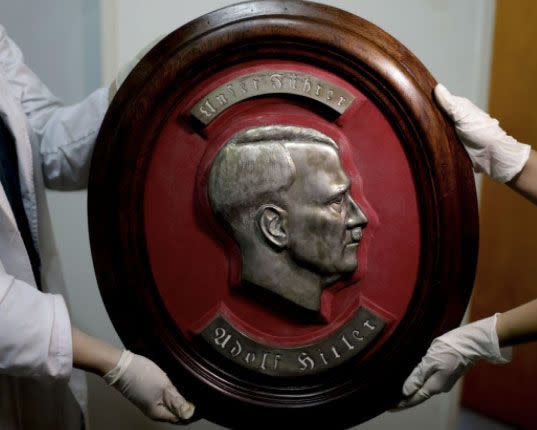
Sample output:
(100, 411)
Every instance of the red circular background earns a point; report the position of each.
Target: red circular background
(195, 267)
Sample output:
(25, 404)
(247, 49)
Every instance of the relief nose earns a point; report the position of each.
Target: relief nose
(356, 217)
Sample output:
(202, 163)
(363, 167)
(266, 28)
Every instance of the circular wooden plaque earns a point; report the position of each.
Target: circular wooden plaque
(243, 340)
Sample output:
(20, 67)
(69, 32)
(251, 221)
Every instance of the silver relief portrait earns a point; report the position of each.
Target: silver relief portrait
(283, 194)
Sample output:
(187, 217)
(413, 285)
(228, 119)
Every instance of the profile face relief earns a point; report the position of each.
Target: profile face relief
(282, 192)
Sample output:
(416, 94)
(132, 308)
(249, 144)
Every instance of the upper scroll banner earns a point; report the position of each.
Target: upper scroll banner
(271, 82)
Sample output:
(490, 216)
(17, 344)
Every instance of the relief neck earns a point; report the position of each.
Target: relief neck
(276, 272)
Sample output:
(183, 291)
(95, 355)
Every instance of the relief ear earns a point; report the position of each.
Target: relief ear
(272, 221)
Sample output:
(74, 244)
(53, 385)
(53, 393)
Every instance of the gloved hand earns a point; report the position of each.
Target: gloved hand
(127, 68)
(147, 386)
(491, 150)
(450, 356)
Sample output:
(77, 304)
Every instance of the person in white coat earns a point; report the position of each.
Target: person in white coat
(505, 160)
(43, 143)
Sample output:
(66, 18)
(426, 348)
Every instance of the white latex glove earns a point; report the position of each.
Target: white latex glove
(127, 68)
(450, 356)
(147, 386)
(491, 149)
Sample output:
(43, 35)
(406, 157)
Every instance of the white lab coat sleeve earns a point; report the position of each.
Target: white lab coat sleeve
(68, 139)
(66, 133)
(35, 332)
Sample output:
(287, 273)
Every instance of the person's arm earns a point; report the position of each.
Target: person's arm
(525, 182)
(449, 357)
(36, 338)
(35, 331)
(505, 160)
(453, 353)
(519, 325)
(93, 355)
(136, 377)
(65, 134)
(37, 341)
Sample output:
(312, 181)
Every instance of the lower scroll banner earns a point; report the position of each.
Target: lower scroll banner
(342, 345)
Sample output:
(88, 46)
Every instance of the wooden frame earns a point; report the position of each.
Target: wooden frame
(400, 86)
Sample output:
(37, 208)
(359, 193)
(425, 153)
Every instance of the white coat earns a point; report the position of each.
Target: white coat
(54, 145)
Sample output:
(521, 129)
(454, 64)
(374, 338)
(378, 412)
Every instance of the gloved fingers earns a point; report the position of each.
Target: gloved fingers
(162, 413)
(419, 375)
(414, 382)
(418, 397)
(444, 99)
(146, 385)
(177, 403)
(187, 410)
(439, 381)
(460, 109)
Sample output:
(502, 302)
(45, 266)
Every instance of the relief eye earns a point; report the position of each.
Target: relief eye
(336, 203)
